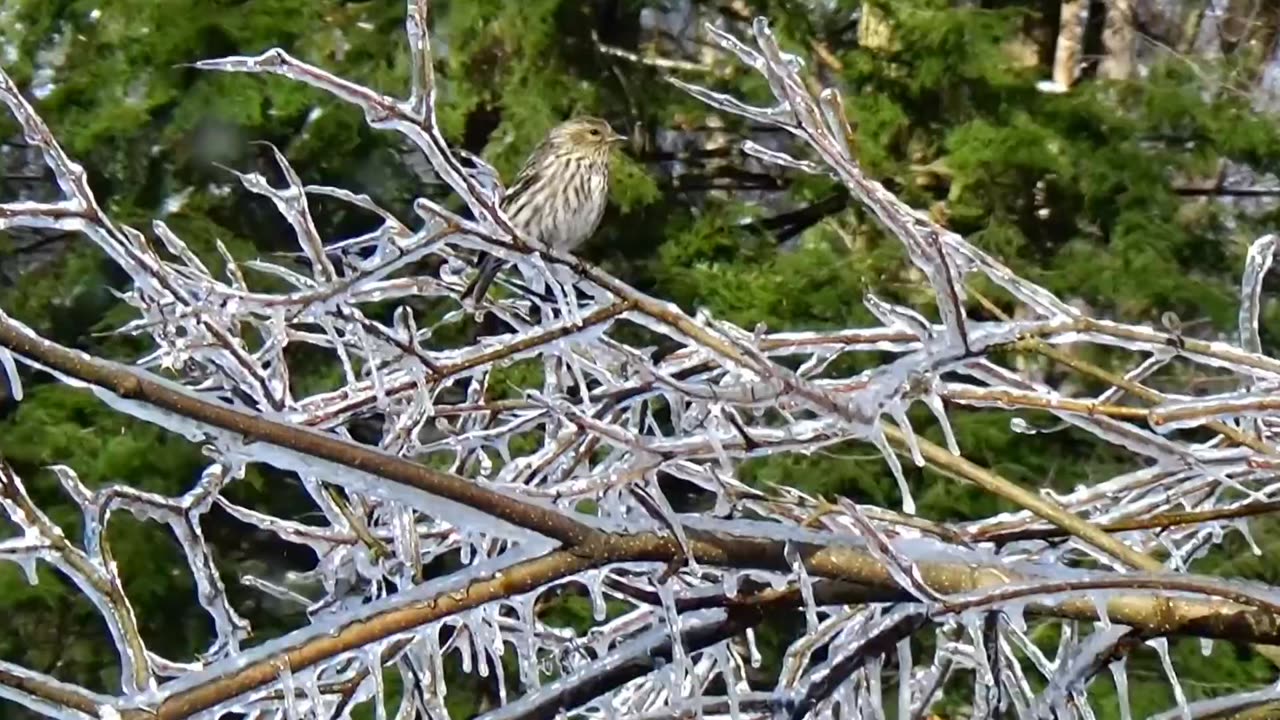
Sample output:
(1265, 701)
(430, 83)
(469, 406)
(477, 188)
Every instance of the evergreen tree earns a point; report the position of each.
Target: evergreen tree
(1097, 193)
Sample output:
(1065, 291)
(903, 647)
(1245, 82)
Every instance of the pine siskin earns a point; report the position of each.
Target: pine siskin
(559, 196)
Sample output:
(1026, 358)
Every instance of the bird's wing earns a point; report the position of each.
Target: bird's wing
(526, 178)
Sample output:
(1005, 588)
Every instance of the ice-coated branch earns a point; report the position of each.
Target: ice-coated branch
(465, 490)
(91, 571)
(128, 384)
(613, 547)
(48, 696)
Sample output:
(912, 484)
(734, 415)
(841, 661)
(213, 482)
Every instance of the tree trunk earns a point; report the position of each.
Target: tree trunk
(1118, 36)
(1191, 27)
(1236, 24)
(1066, 59)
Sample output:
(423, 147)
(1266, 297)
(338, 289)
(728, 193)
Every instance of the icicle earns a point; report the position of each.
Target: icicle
(11, 373)
(793, 558)
(526, 653)
(311, 687)
(877, 437)
(595, 583)
(289, 690)
(753, 650)
(1120, 676)
(675, 627)
(1099, 601)
(731, 683)
(486, 464)
(436, 657)
(495, 651)
(29, 568)
(463, 643)
(939, 410)
(373, 661)
(1242, 526)
(1161, 646)
(873, 669)
(379, 387)
(905, 664)
(481, 650)
(900, 417)
(1261, 254)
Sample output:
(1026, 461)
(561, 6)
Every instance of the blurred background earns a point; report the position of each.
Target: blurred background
(1127, 172)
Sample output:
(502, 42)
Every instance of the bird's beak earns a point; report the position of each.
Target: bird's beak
(616, 138)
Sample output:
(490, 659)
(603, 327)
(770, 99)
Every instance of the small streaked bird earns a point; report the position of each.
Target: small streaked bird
(559, 196)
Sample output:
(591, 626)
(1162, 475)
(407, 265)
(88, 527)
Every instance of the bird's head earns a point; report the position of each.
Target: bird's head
(589, 135)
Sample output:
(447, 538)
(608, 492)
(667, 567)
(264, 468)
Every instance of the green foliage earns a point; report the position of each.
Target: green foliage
(1078, 192)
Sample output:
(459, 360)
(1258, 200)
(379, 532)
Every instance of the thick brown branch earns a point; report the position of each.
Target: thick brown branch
(1239, 617)
(132, 384)
(53, 692)
(1232, 615)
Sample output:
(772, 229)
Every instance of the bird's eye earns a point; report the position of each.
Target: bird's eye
(595, 132)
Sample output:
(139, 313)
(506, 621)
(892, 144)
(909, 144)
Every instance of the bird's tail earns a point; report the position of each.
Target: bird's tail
(490, 266)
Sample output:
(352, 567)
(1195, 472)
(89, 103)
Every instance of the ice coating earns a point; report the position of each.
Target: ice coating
(596, 434)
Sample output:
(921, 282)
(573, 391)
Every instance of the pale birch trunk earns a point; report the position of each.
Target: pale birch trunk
(1118, 37)
(1066, 58)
